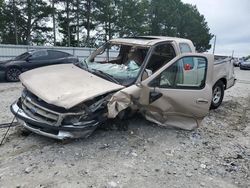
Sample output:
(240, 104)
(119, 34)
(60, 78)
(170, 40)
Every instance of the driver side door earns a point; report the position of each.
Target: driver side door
(180, 93)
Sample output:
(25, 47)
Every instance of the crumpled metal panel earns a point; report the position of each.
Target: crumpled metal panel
(122, 100)
(135, 98)
(165, 120)
(66, 85)
(118, 102)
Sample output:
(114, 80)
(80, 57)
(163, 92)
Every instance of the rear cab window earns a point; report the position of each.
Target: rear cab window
(161, 55)
(185, 48)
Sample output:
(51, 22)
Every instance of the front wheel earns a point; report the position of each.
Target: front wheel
(218, 94)
(12, 74)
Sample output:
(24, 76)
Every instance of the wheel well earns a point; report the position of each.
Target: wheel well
(14, 66)
(224, 80)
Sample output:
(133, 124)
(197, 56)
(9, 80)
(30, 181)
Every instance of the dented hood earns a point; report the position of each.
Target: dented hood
(65, 85)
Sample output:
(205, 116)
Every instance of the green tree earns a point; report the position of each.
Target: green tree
(132, 18)
(9, 21)
(2, 18)
(89, 13)
(192, 25)
(69, 22)
(35, 15)
(121, 18)
(26, 21)
(54, 13)
(106, 18)
(174, 18)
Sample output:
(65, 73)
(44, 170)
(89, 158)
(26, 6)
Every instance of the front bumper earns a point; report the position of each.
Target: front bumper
(56, 132)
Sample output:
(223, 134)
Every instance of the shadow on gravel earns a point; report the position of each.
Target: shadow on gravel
(135, 126)
(4, 81)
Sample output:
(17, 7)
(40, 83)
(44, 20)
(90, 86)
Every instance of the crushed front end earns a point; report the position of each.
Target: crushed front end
(56, 122)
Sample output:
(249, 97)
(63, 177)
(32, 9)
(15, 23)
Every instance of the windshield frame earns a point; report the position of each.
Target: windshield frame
(96, 52)
(148, 56)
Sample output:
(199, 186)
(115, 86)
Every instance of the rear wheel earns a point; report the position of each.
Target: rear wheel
(12, 74)
(218, 94)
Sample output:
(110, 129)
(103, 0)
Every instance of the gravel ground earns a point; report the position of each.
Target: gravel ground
(215, 155)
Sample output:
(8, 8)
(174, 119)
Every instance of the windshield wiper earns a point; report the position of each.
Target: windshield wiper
(111, 78)
(82, 64)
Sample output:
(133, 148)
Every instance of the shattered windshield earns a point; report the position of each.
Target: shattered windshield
(120, 62)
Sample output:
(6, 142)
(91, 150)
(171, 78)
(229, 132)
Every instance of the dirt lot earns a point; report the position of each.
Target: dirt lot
(214, 155)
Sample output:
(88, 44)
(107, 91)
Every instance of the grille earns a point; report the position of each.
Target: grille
(38, 112)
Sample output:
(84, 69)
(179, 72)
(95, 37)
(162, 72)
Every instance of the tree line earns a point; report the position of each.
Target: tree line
(88, 22)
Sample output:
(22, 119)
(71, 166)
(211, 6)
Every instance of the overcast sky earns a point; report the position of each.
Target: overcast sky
(229, 20)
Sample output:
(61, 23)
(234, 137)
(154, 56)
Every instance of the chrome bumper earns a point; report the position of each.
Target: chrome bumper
(56, 132)
(60, 136)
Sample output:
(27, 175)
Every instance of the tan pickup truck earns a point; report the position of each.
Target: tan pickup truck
(161, 77)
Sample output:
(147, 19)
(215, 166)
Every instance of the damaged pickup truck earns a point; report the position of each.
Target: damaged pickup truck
(161, 77)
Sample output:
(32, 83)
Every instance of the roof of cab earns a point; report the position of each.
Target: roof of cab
(147, 40)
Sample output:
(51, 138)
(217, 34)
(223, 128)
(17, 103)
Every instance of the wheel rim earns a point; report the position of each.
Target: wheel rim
(13, 74)
(216, 95)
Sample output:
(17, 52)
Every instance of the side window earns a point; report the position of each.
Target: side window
(161, 55)
(40, 55)
(185, 48)
(57, 54)
(186, 73)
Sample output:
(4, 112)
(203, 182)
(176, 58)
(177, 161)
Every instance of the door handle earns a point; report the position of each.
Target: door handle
(199, 101)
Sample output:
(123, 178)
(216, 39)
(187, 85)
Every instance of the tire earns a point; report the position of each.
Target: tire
(12, 74)
(218, 94)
